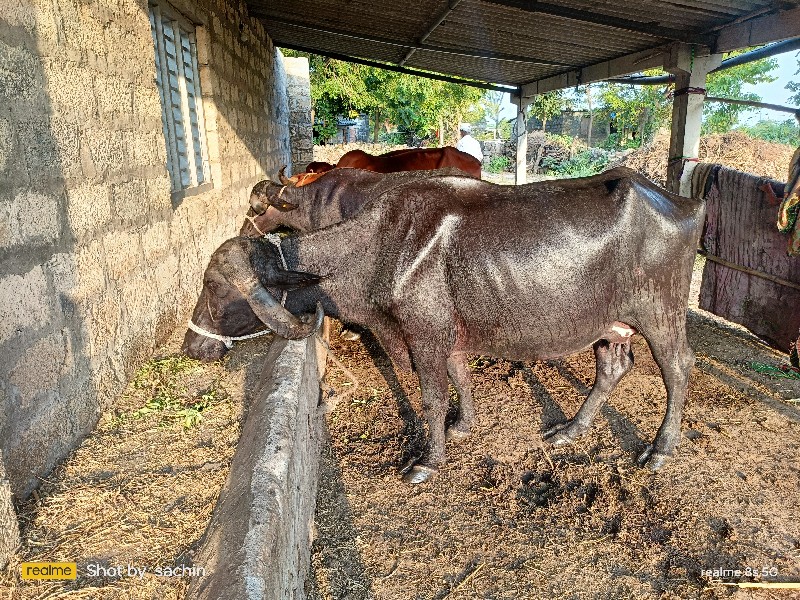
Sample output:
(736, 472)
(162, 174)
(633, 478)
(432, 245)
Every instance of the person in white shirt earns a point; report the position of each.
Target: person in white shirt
(467, 143)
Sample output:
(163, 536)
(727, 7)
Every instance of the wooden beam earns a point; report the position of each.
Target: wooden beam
(687, 114)
(630, 63)
(650, 28)
(766, 29)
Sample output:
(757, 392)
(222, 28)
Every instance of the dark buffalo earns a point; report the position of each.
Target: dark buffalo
(446, 267)
(326, 200)
(333, 198)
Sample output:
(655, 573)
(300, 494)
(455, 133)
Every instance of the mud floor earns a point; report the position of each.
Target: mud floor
(511, 518)
(130, 504)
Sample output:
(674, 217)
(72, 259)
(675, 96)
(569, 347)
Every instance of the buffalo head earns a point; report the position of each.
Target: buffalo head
(267, 193)
(235, 300)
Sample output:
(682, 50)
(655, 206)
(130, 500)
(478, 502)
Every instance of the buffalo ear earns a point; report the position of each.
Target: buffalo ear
(291, 280)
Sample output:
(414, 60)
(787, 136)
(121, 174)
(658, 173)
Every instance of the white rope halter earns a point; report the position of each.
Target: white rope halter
(228, 340)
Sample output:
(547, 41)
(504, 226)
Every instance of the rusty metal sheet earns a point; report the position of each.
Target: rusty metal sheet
(759, 287)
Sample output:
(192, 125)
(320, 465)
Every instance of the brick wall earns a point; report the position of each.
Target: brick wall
(98, 261)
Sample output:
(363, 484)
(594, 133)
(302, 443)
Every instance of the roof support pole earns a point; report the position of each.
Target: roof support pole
(522, 139)
(691, 65)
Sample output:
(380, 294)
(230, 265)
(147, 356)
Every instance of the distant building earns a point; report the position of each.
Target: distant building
(350, 130)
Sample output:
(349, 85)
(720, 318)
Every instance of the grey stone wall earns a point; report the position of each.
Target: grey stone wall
(298, 90)
(98, 261)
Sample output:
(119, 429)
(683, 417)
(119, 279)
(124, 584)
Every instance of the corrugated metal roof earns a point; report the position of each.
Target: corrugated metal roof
(517, 42)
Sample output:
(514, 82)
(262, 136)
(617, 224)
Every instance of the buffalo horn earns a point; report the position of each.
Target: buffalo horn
(238, 271)
(282, 176)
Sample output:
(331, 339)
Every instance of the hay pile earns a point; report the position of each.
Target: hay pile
(735, 150)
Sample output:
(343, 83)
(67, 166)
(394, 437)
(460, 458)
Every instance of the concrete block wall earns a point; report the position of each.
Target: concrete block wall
(299, 96)
(99, 262)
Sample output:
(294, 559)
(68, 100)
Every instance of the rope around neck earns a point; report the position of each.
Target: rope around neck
(228, 340)
(256, 227)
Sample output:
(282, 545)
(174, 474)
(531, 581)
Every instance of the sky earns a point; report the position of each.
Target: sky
(773, 93)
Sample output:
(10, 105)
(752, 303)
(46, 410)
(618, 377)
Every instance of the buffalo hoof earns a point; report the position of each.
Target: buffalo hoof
(350, 336)
(454, 434)
(562, 434)
(652, 460)
(420, 474)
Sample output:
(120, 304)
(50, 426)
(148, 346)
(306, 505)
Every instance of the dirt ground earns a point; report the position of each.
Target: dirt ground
(140, 489)
(509, 517)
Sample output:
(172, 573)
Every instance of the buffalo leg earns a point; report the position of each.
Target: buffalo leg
(458, 372)
(391, 339)
(671, 352)
(612, 362)
(432, 371)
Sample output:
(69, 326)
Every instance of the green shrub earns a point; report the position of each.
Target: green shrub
(589, 162)
(784, 132)
(162, 383)
(615, 142)
(498, 164)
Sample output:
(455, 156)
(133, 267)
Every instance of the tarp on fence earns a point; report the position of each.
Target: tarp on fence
(748, 278)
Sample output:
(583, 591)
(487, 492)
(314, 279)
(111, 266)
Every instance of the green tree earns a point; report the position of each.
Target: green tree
(720, 117)
(416, 105)
(338, 88)
(492, 104)
(784, 132)
(546, 106)
(635, 111)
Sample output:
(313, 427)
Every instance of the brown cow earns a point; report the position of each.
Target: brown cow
(319, 167)
(413, 159)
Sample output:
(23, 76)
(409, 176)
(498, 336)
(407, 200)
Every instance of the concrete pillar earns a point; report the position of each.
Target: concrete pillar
(691, 65)
(298, 90)
(522, 139)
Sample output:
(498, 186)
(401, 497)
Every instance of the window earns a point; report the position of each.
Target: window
(181, 99)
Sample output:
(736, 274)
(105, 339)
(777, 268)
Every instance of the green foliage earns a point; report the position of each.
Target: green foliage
(793, 86)
(546, 106)
(565, 141)
(588, 162)
(635, 111)
(719, 117)
(616, 141)
(498, 164)
(492, 104)
(338, 88)
(505, 129)
(415, 105)
(785, 132)
(161, 380)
